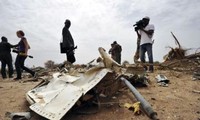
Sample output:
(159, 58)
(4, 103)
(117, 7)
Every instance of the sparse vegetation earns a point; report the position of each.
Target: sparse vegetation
(49, 64)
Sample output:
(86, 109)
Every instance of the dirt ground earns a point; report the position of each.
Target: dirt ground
(175, 102)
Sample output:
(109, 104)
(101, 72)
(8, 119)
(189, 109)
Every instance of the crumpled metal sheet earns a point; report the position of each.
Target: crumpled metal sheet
(55, 99)
(18, 115)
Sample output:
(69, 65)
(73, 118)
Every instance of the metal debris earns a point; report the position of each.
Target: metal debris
(53, 98)
(144, 104)
(162, 80)
(196, 74)
(65, 89)
(18, 115)
(62, 92)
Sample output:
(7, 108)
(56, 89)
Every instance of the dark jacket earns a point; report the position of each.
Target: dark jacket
(68, 41)
(5, 47)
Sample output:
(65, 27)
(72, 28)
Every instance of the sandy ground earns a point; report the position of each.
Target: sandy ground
(175, 102)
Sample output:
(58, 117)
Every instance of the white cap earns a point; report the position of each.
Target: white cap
(146, 17)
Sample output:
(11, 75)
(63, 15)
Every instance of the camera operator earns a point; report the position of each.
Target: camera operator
(145, 33)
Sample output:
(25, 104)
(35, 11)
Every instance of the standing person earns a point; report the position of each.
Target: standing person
(137, 53)
(115, 52)
(6, 57)
(22, 48)
(146, 33)
(111, 52)
(68, 42)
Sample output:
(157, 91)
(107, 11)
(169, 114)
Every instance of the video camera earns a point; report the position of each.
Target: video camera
(139, 24)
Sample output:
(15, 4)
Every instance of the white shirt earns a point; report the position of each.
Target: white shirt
(145, 38)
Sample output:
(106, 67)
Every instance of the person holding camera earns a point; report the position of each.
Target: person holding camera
(22, 49)
(145, 31)
(6, 57)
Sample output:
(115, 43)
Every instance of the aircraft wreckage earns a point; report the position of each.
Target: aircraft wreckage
(53, 98)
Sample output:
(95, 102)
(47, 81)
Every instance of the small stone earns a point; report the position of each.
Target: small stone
(114, 97)
(153, 98)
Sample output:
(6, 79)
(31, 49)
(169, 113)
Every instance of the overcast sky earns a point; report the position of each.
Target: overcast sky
(97, 23)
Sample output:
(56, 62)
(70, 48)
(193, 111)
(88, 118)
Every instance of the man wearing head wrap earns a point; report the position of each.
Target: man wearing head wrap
(115, 52)
(146, 34)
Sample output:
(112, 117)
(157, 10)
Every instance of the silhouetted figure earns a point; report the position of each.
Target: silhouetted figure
(6, 57)
(68, 42)
(115, 52)
(22, 48)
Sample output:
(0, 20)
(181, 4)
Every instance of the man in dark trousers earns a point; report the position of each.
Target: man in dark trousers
(146, 34)
(5, 57)
(68, 42)
(22, 48)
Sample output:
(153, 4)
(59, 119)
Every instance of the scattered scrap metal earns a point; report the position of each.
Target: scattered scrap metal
(162, 80)
(19, 115)
(144, 104)
(70, 89)
(196, 74)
